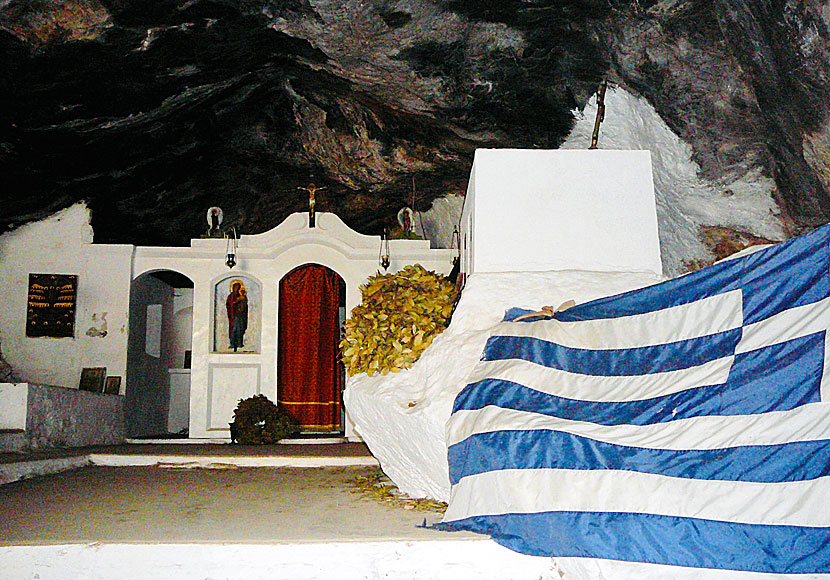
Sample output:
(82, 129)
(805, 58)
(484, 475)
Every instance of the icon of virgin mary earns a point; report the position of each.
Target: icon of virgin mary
(237, 306)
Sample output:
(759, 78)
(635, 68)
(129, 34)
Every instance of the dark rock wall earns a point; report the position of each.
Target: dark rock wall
(154, 110)
(782, 49)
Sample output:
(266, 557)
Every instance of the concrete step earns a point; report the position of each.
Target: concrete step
(325, 453)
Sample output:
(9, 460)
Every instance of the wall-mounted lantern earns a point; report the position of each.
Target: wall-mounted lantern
(231, 245)
(383, 252)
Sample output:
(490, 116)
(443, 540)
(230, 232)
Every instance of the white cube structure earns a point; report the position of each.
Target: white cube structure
(538, 210)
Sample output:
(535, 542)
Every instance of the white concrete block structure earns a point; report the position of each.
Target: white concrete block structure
(541, 210)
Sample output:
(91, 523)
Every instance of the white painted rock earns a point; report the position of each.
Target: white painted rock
(402, 416)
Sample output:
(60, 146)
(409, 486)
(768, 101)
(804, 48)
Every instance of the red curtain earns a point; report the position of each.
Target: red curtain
(308, 372)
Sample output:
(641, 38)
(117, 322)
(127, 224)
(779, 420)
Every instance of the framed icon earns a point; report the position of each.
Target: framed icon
(92, 379)
(112, 386)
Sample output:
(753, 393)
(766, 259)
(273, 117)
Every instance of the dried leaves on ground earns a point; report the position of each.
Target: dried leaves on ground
(376, 486)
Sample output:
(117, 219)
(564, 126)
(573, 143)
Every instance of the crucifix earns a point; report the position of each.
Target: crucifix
(311, 189)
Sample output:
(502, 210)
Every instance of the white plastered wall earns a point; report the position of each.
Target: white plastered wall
(539, 210)
(62, 244)
(219, 380)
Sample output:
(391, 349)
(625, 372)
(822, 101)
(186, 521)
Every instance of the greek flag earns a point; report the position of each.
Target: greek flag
(683, 424)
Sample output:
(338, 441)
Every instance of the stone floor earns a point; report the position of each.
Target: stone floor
(154, 512)
(183, 505)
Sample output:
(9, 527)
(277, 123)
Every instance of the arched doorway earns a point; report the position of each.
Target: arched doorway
(157, 402)
(309, 372)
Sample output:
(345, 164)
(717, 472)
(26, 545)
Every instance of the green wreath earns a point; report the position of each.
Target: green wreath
(258, 421)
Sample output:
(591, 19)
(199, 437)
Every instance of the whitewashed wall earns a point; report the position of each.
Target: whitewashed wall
(219, 380)
(62, 244)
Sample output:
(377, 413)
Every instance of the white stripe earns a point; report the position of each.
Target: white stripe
(799, 503)
(703, 317)
(806, 423)
(787, 325)
(825, 377)
(599, 568)
(600, 388)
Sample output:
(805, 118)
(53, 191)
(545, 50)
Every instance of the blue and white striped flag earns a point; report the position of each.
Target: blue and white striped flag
(684, 424)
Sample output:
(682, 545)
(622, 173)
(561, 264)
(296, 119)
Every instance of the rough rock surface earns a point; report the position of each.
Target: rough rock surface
(154, 110)
(694, 214)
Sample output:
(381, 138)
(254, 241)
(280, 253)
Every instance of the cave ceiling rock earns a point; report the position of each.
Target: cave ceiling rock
(161, 108)
(348, 154)
(690, 77)
(41, 22)
(741, 81)
(363, 48)
(427, 62)
(791, 88)
(352, 141)
(200, 113)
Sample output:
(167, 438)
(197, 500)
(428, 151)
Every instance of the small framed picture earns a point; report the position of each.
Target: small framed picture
(92, 379)
(112, 386)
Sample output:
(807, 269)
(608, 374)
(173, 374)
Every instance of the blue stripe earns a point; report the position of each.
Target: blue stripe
(776, 378)
(545, 449)
(787, 275)
(510, 395)
(780, 377)
(659, 540)
(792, 273)
(614, 362)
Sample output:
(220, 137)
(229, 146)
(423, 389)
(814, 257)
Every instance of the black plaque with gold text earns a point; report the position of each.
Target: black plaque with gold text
(51, 305)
